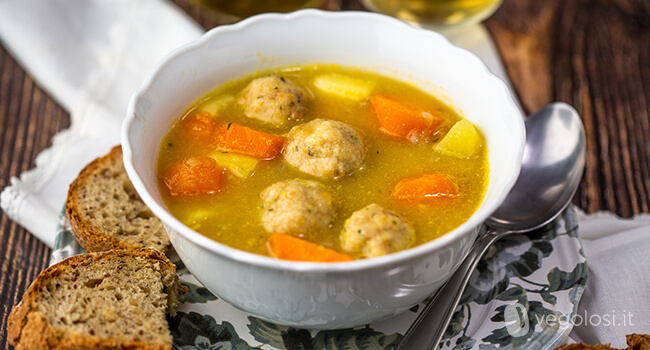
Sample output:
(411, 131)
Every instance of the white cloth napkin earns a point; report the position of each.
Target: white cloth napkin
(91, 56)
(616, 301)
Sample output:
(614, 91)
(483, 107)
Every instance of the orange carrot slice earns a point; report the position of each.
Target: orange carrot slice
(403, 121)
(199, 127)
(192, 176)
(237, 138)
(425, 188)
(286, 247)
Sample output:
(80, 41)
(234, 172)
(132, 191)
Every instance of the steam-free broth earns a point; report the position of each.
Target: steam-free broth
(395, 146)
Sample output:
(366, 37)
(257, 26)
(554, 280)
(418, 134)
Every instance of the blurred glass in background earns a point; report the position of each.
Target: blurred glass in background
(436, 13)
(244, 8)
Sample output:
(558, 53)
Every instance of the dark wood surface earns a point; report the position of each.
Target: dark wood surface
(592, 54)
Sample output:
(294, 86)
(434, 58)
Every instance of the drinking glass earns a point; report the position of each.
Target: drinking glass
(239, 9)
(436, 13)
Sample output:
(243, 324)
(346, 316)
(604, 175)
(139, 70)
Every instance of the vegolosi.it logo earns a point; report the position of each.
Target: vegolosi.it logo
(518, 323)
(516, 318)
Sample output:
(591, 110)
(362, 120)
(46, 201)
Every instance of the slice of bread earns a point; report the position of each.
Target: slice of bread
(106, 213)
(634, 342)
(108, 300)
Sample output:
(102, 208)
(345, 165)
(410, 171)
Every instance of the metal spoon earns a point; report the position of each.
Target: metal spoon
(553, 162)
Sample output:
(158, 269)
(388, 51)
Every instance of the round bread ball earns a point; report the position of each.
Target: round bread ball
(297, 207)
(274, 100)
(325, 148)
(374, 231)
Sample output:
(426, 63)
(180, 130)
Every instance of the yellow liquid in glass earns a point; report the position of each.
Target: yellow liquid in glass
(436, 12)
(246, 8)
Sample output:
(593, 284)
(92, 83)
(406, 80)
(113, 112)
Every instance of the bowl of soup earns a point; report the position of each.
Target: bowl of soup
(322, 170)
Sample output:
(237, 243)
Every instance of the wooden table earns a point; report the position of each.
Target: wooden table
(592, 54)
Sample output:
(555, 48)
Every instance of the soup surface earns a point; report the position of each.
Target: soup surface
(309, 149)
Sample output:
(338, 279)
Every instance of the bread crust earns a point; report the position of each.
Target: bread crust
(29, 328)
(638, 341)
(634, 342)
(91, 237)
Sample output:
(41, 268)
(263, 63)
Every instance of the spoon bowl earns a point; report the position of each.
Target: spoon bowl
(551, 170)
(552, 167)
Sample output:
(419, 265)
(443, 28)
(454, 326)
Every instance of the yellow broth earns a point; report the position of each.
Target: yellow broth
(233, 215)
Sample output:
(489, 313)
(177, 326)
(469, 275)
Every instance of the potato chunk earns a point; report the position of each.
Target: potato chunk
(213, 106)
(343, 86)
(238, 164)
(462, 140)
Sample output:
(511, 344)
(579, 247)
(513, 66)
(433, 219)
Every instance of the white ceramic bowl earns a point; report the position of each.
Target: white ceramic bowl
(313, 295)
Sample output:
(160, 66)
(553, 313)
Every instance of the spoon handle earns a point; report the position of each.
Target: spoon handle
(428, 328)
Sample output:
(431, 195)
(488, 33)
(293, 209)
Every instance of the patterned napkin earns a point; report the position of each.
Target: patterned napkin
(91, 55)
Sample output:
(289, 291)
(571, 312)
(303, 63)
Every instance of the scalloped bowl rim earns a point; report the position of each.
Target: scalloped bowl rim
(466, 228)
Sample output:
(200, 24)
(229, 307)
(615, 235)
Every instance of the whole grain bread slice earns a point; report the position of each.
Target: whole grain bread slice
(109, 300)
(634, 342)
(106, 213)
